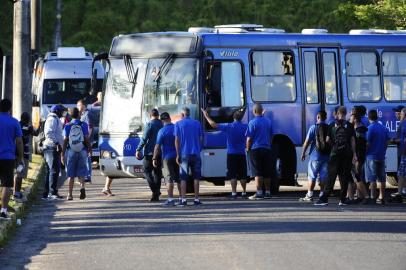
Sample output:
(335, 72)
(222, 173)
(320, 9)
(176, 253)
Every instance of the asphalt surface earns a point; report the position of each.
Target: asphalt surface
(128, 232)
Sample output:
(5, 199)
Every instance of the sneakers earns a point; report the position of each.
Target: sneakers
(306, 199)
(82, 195)
(244, 196)
(380, 201)
(396, 199)
(182, 203)
(197, 202)
(321, 203)
(343, 203)
(256, 197)
(233, 197)
(69, 198)
(169, 203)
(267, 196)
(154, 199)
(4, 216)
(54, 197)
(45, 198)
(107, 192)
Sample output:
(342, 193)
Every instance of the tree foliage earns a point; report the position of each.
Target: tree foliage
(93, 23)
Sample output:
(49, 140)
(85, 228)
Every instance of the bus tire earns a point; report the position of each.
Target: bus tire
(392, 179)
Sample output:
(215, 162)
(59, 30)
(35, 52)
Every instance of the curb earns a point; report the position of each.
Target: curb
(8, 226)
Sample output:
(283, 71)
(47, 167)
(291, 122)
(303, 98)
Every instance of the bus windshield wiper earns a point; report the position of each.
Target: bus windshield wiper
(131, 73)
(163, 66)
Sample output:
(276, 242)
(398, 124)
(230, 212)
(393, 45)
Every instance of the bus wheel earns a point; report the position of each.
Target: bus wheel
(392, 179)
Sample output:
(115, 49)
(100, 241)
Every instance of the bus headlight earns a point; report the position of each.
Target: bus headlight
(105, 154)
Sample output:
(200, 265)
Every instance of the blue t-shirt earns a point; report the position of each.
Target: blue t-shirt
(377, 137)
(260, 131)
(189, 132)
(314, 154)
(148, 139)
(235, 136)
(9, 130)
(402, 137)
(67, 128)
(166, 140)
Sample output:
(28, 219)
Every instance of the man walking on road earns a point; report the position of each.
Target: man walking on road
(342, 139)
(236, 159)
(377, 142)
(147, 144)
(10, 140)
(84, 117)
(52, 148)
(259, 138)
(77, 146)
(188, 140)
(165, 144)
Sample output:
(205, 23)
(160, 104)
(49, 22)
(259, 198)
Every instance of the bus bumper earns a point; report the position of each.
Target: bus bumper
(121, 167)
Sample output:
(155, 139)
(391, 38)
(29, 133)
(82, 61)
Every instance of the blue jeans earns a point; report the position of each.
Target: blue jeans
(53, 167)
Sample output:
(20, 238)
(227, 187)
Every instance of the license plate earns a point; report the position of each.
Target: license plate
(138, 169)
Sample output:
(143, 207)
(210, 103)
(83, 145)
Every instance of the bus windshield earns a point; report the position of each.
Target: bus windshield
(65, 91)
(172, 87)
(122, 99)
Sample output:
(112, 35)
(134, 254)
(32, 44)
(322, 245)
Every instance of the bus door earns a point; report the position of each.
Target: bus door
(320, 83)
(223, 94)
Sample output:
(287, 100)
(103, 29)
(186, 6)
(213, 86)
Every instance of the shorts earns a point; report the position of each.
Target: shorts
(170, 170)
(317, 169)
(7, 172)
(24, 173)
(76, 164)
(262, 162)
(358, 171)
(375, 170)
(236, 166)
(190, 168)
(402, 166)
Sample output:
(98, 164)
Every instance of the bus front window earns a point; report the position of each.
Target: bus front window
(171, 86)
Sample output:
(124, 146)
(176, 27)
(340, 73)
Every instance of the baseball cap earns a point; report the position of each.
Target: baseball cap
(165, 116)
(398, 108)
(57, 108)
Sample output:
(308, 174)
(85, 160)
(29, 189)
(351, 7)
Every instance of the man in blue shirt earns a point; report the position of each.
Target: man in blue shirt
(259, 138)
(10, 140)
(236, 159)
(165, 144)
(319, 155)
(400, 195)
(377, 141)
(188, 139)
(76, 157)
(147, 144)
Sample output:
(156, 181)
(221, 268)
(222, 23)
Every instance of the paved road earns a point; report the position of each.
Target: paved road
(128, 232)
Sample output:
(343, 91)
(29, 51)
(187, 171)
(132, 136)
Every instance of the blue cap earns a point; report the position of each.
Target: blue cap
(398, 108)
(56, 108)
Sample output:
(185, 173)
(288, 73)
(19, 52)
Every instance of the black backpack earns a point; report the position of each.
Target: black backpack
(341, 141)
(321, 139)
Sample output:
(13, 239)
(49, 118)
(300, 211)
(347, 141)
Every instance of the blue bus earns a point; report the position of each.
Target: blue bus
(231, 67)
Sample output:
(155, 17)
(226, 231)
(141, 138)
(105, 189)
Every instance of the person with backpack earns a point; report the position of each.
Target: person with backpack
(52, 147)
(77, 147)
(318, 155)
(341, 137)
(377, 142)
(357, 171)
(28, 131)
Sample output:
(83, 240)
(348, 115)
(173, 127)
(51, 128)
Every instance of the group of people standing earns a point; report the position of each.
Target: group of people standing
(354, 150)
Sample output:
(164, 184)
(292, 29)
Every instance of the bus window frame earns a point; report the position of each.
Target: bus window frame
(379, 71)
(336, 75)
(251, 66)
(383, 79)
(245, 101)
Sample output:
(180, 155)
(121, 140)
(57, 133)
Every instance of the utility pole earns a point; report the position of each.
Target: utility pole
(36, 6)
(58, 25)
(22, 99)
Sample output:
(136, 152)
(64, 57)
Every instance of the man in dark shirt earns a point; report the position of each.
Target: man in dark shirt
(147, 144)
